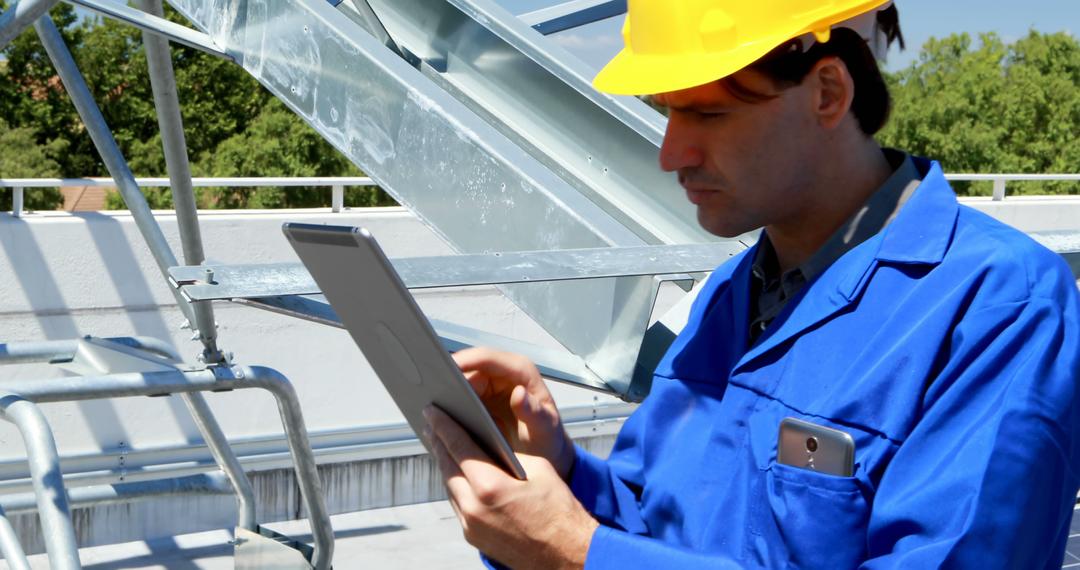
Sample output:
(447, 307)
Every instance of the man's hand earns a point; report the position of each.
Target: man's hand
(517, 398)
(523, 524)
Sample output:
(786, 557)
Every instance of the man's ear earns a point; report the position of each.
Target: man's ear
(833, 91)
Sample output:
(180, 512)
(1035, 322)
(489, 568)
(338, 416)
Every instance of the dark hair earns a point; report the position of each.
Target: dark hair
(788, 65)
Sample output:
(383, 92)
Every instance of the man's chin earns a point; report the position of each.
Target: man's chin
(718, 226)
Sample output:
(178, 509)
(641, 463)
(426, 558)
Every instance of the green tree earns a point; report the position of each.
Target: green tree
(990, 107)
(279, 144)
(22, 157)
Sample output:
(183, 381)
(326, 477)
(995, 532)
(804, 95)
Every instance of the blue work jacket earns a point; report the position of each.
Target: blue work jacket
(947, 346)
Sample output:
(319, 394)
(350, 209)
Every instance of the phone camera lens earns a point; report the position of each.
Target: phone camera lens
(811, 444)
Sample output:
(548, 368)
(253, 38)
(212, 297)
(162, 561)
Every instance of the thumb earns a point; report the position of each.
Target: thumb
(523, 405)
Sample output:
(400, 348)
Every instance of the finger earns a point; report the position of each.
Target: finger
(522, 404)
(458, 490)
(496, 364)
(460, 447)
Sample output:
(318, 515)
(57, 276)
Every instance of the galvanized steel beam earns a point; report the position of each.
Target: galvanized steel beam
(277, 279)
(490, 148)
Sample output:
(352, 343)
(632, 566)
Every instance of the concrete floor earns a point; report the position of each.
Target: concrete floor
(415, 536)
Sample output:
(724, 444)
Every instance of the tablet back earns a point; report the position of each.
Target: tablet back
(394, 335)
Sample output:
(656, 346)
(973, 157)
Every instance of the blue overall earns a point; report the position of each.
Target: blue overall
(948, 346)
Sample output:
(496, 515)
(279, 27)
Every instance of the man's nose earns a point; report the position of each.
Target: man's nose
(679, 149)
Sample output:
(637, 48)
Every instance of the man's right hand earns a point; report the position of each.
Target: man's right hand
(517, 398)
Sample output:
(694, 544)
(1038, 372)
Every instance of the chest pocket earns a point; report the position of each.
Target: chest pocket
(803, 518)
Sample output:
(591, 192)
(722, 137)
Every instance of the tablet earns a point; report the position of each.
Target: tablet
(396, 338)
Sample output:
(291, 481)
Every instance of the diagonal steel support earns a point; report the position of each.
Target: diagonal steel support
(154, 23)
(19, 17)
(110, 153)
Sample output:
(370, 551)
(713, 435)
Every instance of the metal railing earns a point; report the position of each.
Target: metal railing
(337, 185)
(1000, 180)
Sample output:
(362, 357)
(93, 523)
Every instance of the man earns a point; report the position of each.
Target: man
(946, 344)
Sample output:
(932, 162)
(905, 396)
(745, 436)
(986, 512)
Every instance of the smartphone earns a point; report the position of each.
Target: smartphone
(817, 448)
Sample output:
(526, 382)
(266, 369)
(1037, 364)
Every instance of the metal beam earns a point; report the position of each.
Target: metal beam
(573, 14)
(20, 16)
(153, 24)
(251, 281)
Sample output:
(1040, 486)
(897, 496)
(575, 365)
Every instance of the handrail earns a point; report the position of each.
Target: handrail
(999, 180)
(336, 183)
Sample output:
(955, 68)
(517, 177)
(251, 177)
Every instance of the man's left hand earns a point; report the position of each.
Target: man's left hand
(536, 523)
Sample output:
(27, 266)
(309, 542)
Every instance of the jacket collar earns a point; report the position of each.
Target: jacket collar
(920, 234)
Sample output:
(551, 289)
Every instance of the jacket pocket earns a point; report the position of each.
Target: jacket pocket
(820, 518)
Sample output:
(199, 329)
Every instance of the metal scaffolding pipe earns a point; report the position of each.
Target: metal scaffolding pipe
(307, 473)
(10, 547)
(110, 153)
(225, 458)
(52, 500)
(64, 350)
(19, 16)
(167, 104)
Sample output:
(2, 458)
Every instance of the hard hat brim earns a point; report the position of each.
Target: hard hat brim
(637, 74)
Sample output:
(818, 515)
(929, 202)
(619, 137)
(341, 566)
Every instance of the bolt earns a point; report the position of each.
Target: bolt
(209, 275)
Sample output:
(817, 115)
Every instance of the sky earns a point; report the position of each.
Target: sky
(919, 19)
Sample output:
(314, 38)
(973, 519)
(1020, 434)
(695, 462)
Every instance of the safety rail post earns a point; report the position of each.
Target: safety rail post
(999, 189)
(48, 480)
(337, 199)
(17, 201)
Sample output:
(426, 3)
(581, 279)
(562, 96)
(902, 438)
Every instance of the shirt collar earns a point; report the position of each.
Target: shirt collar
(923, 230)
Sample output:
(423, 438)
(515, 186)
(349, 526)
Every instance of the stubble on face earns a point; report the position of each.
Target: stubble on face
(740, 166)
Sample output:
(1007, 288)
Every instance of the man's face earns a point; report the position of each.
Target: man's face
(742, 164)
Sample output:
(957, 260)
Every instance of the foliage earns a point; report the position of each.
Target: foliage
(22, 157)
(993, 107)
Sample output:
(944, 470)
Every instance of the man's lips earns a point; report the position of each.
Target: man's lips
(698, 195)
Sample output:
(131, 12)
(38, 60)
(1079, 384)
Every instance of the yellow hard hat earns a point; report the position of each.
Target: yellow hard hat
(678, 44)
